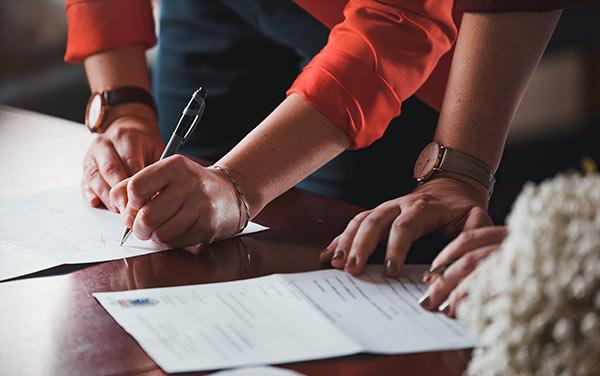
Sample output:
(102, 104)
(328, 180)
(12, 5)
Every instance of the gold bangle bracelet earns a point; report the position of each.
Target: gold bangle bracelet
(243, 203)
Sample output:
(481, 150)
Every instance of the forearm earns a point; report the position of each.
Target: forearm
(495, 57)
(125, 66)
(290, 144)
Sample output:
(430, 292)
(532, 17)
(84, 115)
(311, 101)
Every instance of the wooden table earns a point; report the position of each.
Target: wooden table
(51, 324)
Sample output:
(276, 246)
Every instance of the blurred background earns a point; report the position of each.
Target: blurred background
(557, 123)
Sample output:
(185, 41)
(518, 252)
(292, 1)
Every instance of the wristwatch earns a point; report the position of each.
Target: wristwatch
(438, 158)
(100, 103)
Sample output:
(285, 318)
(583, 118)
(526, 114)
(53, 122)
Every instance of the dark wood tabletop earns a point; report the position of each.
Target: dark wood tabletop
(51, 324)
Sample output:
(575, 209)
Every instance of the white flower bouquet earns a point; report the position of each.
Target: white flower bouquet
(536, 301)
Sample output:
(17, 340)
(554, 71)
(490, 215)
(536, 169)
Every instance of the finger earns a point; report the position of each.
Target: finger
(171, 230)
(158, 211)
(151, 180)
(132, 154)
(476, 218)
(345, 240)
(196, 234)
(456, 296)
(109, 163)
(416, 220)
(89, 197)
(96, 184)
(326, 254)
(370, 232)
(118, 195)
(468, 241)
(443, 286)
(197, 248)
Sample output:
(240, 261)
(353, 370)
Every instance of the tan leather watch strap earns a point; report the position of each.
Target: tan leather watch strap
(467, 165)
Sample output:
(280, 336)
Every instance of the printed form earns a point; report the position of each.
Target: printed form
(283, 318)
(44, 230)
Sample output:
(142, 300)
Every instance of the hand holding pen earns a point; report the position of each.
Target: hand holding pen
(188, 122)
(455, 263)
(177, 202)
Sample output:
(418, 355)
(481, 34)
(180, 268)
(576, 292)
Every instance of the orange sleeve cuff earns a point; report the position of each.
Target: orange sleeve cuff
(380, 55)
(350, 94)
(95, 26)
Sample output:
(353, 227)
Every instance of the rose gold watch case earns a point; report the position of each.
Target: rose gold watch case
(428, 162)
(96, 127)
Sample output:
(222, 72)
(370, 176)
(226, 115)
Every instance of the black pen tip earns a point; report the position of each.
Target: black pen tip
(201, 92)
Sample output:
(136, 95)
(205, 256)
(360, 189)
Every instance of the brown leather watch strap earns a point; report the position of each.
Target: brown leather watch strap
(129, 94)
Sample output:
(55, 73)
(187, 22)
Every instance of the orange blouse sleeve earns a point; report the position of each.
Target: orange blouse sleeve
(377, 57)
(98, 25)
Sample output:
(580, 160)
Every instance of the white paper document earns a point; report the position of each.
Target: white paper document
(44, 230)
(283, 318)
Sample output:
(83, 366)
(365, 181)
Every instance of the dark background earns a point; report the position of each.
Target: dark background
(557, 124)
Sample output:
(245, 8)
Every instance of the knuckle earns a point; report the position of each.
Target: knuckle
(178, 160)
(90, 169)
(425, 197)
(134, 186)
(98, 187)
(147, 218)
(113, 194)
(98, 140)
(466, 237)
(469, 261)
(109, 167)
(400, 224)
(120, 132)
(359, 218)
(372, 221)
(116, 193)
(420, 205)
(133, 164)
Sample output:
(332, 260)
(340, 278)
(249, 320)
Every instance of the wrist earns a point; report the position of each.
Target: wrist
(476, 189)
(252, 198)
(243, 207)
(147, 119)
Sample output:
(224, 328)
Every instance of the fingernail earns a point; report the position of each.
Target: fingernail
(352, 262)
(339, 254)
(444, 307)
(391, 268)
(426, 277)
(424, 301)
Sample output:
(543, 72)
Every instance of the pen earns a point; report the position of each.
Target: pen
(439, 270)
(187, 124)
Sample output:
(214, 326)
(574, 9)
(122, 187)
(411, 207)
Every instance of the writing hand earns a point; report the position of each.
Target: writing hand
(128, 145)
(178, 203)
(443, 204)
(469, 249)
